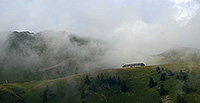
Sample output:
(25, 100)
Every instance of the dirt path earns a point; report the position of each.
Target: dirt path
(57, 65)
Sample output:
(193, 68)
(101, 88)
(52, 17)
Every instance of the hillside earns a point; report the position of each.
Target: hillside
(180, 54)
(27, 56)
(51, 67)
(70, 89)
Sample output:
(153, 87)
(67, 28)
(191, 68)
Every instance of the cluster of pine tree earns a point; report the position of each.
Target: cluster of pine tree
(163, 73)
(169, 72)
(111, 81)
(103, 83)
(161, 89)
(181, 75)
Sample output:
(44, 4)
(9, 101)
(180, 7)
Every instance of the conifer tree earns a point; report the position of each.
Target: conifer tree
(180, 99)
(93, 88)
(82, 94)
(162, 90)
(102, 78)
(162, 77)
(118, 81)
(169, 73)
(123, 86)
(44, 97)
(185, 87)
(87, 81)
(114, 80)
(110, 81)
(98, 80)
(162, 69)
(177, 76)
(151, 82)
(158, 69)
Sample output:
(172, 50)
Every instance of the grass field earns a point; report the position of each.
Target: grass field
(69, 89)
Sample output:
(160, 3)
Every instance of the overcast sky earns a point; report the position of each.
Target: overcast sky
(151, 25)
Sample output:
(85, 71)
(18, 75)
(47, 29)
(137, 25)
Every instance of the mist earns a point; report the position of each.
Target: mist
(130, 31)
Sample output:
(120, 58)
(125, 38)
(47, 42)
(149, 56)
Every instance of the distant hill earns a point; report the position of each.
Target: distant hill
(29, 56)
(180, 54)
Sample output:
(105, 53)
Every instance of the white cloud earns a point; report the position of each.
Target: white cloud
(185, 10)
(143, 24)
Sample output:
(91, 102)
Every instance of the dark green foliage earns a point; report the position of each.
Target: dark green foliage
(158, 70)
(169, 73)
(180, 99)
(87, 81)
(82, 94)
(151, 82)
(177, 75)
(93, 88)
(47, 94)
(118, 81)
(44, 97)
(162, 90)
(123, 86)
(181, 75)
(107, 82)
(112, 81)
(102, 78)
(163, 77)
(185, 87)
(162, 69)
(98, 80)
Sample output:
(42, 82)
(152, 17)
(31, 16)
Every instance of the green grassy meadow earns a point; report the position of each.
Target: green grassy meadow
(68, 89)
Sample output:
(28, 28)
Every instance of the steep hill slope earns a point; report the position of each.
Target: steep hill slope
(74, 89)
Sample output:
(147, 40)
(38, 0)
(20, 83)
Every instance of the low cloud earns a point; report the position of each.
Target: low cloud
(128, 27)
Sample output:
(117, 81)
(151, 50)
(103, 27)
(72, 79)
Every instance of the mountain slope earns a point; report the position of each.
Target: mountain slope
(69, 89)
(180, 54)
(27, 56)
